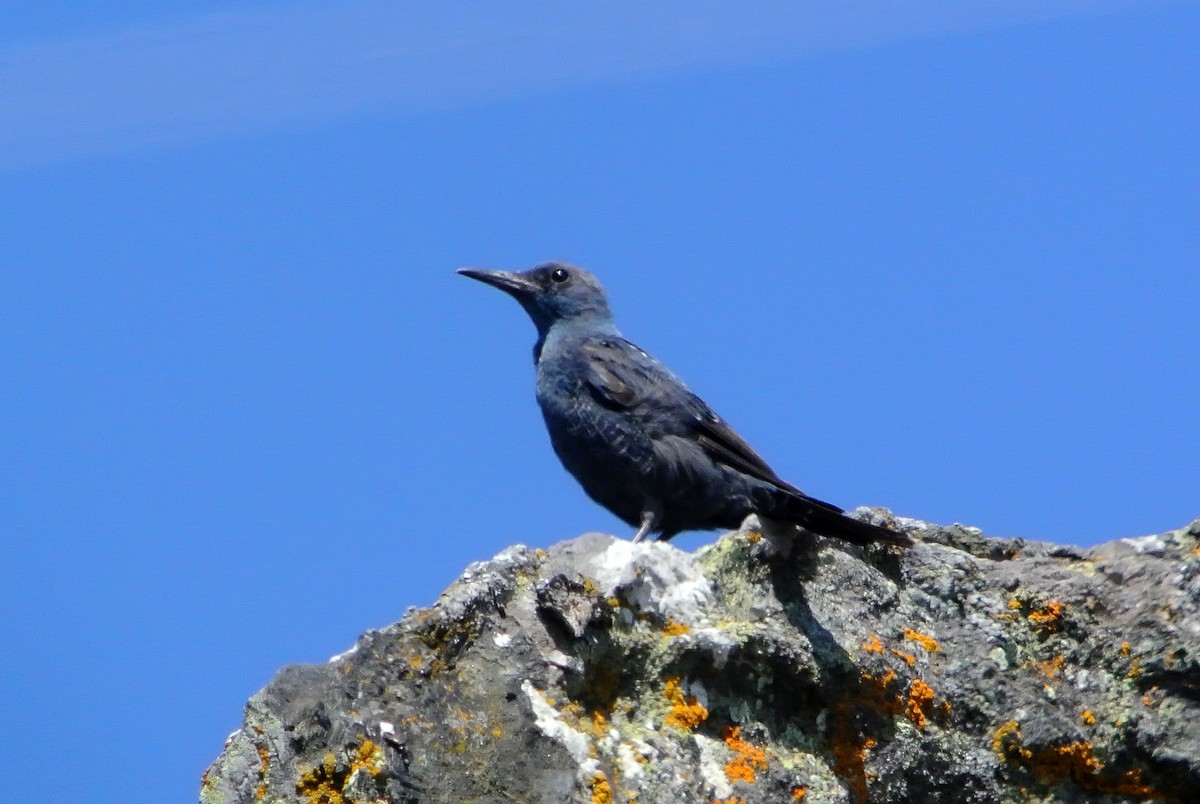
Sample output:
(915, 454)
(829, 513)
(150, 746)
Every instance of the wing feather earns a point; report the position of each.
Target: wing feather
(621, 376)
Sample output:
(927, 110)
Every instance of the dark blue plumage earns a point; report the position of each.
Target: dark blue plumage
(635, 437)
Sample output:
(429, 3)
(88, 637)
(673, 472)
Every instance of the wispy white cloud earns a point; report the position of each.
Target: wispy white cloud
(258, 70)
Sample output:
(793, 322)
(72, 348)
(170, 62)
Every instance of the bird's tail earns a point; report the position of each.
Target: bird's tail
(829, 520)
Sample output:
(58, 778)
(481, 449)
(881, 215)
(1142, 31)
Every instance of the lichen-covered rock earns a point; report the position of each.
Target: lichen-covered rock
(965, 669)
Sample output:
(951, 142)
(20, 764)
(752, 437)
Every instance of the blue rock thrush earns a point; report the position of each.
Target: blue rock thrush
(635, 437)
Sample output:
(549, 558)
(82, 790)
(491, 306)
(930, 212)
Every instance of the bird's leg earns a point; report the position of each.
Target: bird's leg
(649, 519)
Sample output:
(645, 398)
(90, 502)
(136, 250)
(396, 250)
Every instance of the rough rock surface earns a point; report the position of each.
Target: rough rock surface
(966, 669)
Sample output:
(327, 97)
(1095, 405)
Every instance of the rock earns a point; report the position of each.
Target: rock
(965, 669)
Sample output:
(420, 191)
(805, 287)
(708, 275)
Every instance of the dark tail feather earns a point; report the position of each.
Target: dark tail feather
(829, 520)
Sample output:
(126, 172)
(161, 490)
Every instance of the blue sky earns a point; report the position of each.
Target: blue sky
(936, 259)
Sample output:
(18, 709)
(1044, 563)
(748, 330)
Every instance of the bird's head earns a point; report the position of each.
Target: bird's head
(551, 293)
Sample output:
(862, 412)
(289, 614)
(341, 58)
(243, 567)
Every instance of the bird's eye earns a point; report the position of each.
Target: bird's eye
(559, 275)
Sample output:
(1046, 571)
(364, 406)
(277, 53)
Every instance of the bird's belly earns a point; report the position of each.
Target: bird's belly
(607, 455)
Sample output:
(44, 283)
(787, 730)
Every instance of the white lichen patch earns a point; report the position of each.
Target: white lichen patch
(627, 762)
(1152, 545)
(550, 723)
(713, 755)
(654, 577)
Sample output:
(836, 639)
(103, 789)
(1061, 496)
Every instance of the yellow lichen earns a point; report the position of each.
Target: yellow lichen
(672, 628)
(1006, 742)
(322, 784)
(369, 757)
(747, 758)
(1087, 717)
(325, 783)
(919, 702)
(601, 790)
(1125, 648)
(924, 640)
(686, 712)
(1135, 668)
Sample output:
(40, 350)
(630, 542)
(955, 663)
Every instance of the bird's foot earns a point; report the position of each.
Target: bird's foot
(648, 520)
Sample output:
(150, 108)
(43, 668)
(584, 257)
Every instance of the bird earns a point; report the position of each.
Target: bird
(635, 437)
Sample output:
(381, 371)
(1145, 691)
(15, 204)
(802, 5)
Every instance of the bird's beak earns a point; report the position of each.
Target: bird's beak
(512, 284)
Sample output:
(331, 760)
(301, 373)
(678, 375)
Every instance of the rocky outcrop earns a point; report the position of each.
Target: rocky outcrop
(965, 669)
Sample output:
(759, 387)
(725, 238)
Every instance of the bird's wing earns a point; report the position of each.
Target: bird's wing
(621, 376)
(614, 379)
(724, 445)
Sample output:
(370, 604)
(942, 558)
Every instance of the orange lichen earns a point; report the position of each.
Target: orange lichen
(1014, 604)
(686, 712)
(599, 724)
(1048, 615)
(919, 703)
(1125, 648)
(872, 644)
(876, 694)
(672, 628)
(1087, 717)
(601, 790)
(908, 658)
(850, 763)
(924, 640)
(754, 536)
(1130, 783)
(799, 792)
(730, 800)
(1052, 667)
(747, 758)
(264, 759)
(1135, 668)
(1073, 761)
